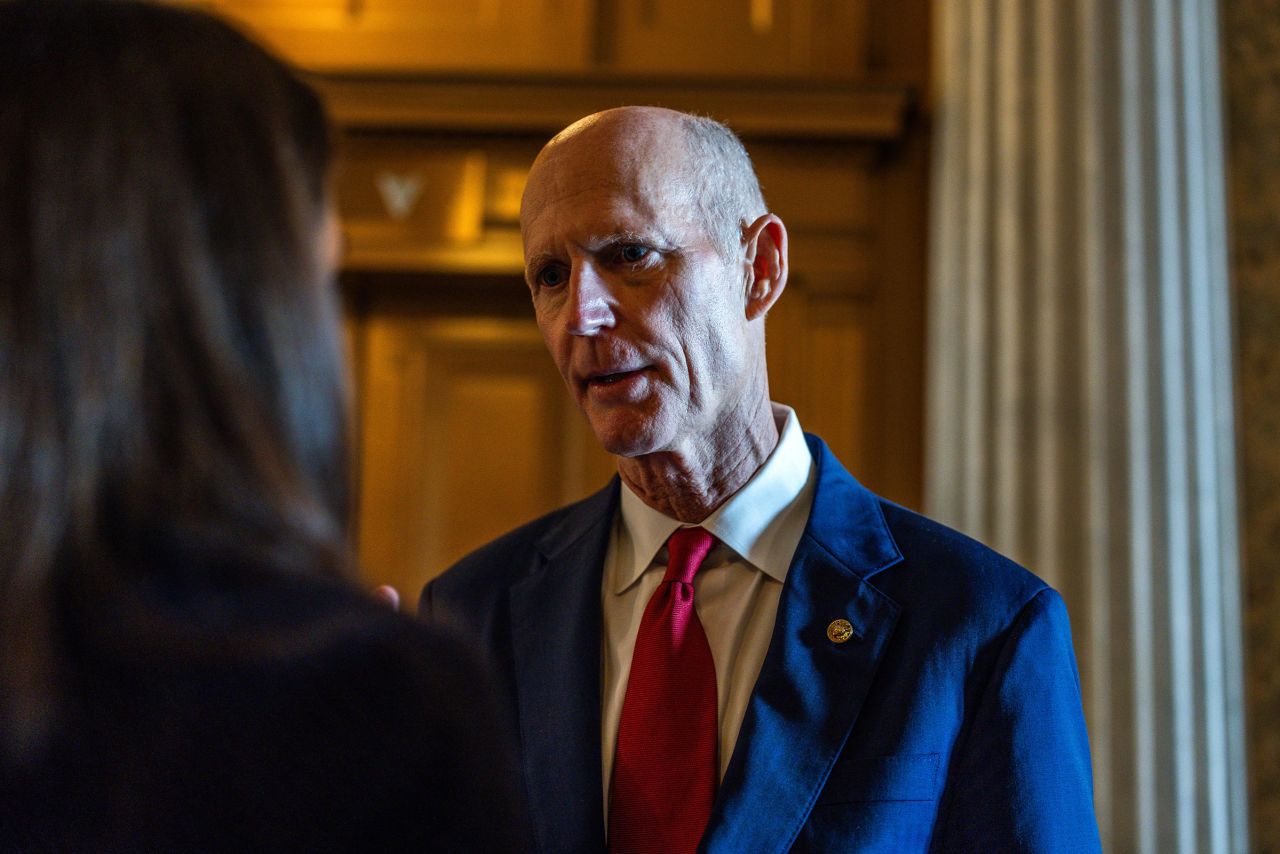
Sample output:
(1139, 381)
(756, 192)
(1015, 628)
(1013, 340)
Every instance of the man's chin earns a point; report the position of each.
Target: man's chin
(627, 440)
(626, 446)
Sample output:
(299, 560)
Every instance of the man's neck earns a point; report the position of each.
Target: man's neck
(691, 483)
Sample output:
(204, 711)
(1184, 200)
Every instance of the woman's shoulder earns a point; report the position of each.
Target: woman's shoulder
(381, 714)
(331, 654)
(297, 615)
(288, 712)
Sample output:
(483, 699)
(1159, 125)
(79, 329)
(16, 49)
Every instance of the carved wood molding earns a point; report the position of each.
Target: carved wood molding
(802, 111)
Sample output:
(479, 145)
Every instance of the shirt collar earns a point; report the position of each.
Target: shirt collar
(749, 522)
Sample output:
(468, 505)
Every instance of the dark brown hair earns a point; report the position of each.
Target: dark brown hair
(172, 396)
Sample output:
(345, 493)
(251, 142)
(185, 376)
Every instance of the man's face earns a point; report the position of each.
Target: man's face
(643, 317)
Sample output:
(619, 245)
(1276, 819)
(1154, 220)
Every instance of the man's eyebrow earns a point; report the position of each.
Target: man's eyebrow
(537, 259)
(626, 235)
(650, 236)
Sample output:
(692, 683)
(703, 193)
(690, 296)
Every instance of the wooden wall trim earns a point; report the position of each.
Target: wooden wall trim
(834, 112)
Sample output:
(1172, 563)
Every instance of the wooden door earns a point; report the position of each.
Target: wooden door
(465, 427)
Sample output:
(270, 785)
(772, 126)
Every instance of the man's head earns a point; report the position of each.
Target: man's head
(652, 261)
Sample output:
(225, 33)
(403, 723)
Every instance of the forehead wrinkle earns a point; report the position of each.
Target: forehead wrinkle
(622, 155)
(644, 184)
(617, 217)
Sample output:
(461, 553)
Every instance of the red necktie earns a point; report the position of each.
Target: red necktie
(664, 771)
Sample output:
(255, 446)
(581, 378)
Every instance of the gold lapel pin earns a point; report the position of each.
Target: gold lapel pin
(839, 631)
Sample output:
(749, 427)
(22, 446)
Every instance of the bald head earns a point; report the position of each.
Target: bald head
(702, 163)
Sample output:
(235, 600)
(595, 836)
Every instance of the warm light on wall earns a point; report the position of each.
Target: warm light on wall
(761, 16)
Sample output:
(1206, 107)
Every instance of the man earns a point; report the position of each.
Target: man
(840, 673)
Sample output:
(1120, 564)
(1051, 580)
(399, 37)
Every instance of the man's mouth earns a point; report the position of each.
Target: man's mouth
(612, 377)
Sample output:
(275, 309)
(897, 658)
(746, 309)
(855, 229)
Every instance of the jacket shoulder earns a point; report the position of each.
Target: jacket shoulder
(949, 572)
(491, 569)
(920, 563)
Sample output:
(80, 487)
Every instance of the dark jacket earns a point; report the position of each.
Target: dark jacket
(274, 715)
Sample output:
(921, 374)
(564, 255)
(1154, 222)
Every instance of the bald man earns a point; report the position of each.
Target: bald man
(734, 646)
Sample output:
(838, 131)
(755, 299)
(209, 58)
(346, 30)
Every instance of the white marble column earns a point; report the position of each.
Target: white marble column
(1081, 413)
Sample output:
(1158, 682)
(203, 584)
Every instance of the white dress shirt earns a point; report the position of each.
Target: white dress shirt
(736, 591)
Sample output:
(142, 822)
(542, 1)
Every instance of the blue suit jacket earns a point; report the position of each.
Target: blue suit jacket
(951, 721)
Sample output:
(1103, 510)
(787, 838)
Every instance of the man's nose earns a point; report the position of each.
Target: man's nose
(590, 309)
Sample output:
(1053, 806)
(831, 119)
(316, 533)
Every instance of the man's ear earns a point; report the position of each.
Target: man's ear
(765, 241)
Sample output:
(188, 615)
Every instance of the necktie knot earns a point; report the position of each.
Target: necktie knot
(687, 548)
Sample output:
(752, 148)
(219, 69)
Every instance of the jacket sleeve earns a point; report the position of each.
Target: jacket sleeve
(1021, 778)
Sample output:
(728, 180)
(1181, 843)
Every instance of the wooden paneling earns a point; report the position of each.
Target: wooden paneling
(819, 361)
(825, 193)
(394, 192)
(466, 432)
(794, 110)
(897, 314)
(422, 35)
(753, 38)
(815, 186)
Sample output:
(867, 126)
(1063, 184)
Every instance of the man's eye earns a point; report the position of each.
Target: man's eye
(551, 277)
(633, 253)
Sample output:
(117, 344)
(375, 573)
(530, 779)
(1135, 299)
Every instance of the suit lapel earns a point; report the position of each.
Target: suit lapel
(556, 637)
(810, 688)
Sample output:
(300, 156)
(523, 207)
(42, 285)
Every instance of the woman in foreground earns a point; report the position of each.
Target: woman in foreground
(184, 664)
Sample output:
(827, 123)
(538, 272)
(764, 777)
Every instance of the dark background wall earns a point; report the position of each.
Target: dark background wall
(1251, 51)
